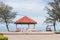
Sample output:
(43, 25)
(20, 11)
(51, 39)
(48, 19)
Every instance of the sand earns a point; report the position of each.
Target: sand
(40, 36)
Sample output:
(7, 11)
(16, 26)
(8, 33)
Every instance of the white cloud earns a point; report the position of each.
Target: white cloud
(28, 7)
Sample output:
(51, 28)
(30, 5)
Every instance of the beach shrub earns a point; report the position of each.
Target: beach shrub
(3, 37)
(1, 33)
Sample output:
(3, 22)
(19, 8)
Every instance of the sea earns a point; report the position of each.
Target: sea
(12, 27)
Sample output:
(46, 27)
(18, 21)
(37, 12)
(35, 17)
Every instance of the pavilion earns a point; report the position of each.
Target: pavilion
(26, 20)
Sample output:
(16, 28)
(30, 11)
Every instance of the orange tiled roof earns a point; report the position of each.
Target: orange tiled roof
(25, 20)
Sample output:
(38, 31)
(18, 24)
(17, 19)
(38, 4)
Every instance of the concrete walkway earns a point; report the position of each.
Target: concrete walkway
(41, 36)
(34, 37)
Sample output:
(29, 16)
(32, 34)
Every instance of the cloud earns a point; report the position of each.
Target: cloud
(28, 7)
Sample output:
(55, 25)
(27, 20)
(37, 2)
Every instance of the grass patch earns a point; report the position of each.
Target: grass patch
(3, 37)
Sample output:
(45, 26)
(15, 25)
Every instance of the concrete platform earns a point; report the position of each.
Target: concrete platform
(31, 35)
(27, 33)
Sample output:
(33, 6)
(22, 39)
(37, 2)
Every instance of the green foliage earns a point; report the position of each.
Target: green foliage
(54, 13)
(6, 14)
(3, 37)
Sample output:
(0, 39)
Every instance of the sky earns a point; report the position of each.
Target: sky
(34, 9)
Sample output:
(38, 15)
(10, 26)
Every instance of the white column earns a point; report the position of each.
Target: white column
(34, 26)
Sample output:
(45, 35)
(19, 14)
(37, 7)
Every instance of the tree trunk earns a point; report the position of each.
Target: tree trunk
(54, 26)
(7, 25)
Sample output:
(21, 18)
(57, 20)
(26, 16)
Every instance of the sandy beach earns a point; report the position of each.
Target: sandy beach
(36, 36)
